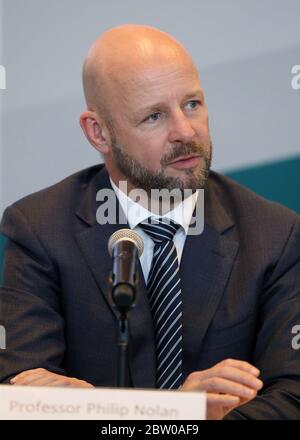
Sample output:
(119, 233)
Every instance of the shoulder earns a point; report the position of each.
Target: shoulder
(53, 208)
(60, 195)
(245, 205)
(259, 225)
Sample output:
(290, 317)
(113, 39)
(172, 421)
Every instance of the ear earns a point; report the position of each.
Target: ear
(95, 131)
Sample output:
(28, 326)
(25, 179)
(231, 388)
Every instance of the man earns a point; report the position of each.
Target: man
(239, 294)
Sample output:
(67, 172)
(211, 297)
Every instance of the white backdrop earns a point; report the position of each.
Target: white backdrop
(244, 49)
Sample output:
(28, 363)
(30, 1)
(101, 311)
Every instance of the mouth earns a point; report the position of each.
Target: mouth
(184, 162)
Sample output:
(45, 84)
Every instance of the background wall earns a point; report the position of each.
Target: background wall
(244, 49)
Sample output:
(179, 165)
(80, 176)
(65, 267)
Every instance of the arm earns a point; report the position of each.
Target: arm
(274, 355)
(277, 396)
(30, 302)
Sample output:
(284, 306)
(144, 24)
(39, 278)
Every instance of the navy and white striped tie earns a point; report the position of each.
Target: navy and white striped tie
(165, 299)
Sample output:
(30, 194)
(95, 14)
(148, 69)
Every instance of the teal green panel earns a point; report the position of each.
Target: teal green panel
(277, 181)
(2, 244)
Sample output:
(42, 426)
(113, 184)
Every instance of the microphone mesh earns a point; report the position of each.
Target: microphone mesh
(125, 234)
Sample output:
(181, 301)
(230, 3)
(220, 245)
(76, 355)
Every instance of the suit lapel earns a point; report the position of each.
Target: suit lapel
(205, 267)
(93, 239)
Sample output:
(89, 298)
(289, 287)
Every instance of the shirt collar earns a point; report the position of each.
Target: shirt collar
(136, 213)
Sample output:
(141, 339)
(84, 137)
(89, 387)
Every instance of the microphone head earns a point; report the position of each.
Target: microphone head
(125, 234)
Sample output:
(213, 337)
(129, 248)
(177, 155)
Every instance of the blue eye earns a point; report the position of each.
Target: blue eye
(153, 117)
(193, 104)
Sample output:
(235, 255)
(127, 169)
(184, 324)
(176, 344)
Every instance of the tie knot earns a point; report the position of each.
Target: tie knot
(160, 230)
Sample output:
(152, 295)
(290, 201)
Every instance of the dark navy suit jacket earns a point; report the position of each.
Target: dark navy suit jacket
(240, 282)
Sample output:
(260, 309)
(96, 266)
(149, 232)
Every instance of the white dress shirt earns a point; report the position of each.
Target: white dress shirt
(136, 213)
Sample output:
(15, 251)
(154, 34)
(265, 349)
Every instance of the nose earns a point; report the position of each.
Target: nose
(181, 129)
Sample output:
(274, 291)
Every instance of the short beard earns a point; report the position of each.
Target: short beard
(146, 179)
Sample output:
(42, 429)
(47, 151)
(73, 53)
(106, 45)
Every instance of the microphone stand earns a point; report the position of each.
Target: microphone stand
(123, 297)
(124, 246)
(123, 380)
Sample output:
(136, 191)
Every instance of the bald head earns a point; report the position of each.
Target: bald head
(146, 108)
(119, 53)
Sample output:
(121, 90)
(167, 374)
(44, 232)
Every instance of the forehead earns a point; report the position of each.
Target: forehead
(146, 84)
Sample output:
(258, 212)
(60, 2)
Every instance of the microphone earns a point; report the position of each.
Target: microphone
(124, 246)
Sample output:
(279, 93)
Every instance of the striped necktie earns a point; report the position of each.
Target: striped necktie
(164, 292)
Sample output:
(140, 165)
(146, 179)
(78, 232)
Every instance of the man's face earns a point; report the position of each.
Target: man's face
(159, 129)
